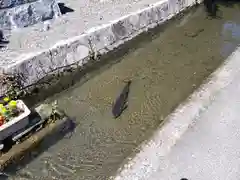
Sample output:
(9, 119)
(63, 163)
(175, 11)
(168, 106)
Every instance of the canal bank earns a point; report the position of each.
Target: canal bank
(164, 71)
(194, 133)
(70, 41)
(209, 148)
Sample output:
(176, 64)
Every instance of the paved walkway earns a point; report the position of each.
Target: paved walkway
(80, 17)
(210, 149)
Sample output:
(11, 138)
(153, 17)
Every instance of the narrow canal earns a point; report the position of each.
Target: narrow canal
(163, 71)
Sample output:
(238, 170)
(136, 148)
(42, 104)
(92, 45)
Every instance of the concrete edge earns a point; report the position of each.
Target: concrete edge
(19, 150)
(103, 38)
(148, 160)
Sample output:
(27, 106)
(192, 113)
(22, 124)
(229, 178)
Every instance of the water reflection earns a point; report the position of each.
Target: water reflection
(165, 71)
(231, 37)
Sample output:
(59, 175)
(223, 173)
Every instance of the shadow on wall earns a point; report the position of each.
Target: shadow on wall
(212, 9)
(229, 3)
(3, 41)
(64, 9)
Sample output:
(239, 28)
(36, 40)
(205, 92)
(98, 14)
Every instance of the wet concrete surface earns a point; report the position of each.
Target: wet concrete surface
(209, 149)
(163, 72)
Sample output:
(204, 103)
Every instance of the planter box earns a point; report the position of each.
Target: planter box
(17, 123)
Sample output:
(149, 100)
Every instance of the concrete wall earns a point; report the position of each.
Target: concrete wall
(103, 38)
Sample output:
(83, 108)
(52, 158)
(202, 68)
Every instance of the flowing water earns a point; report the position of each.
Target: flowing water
(164, 71)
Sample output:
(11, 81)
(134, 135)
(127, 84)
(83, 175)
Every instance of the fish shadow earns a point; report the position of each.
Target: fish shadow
(66, 132)
(121, 103)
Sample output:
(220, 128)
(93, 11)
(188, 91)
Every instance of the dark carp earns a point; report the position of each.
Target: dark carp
(121, 102)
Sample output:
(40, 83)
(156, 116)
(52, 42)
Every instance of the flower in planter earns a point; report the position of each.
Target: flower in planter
(1, 120)
(4, 112)
(8, 109)
(12, 106)
(2, 109)
(6, 100)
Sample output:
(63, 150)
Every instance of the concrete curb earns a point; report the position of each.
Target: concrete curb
(19, 150)
(148, 159)
(104, 38)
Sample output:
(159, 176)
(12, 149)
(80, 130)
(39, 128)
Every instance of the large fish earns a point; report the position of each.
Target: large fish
(121, 102)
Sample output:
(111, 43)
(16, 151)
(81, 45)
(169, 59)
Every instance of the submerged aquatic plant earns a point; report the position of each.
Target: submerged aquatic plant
(13, 84)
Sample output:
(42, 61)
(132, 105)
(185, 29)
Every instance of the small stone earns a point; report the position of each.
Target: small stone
(44, 111)
(46, 26)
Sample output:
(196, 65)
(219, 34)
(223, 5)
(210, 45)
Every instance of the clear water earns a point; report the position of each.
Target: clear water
(164, 72)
